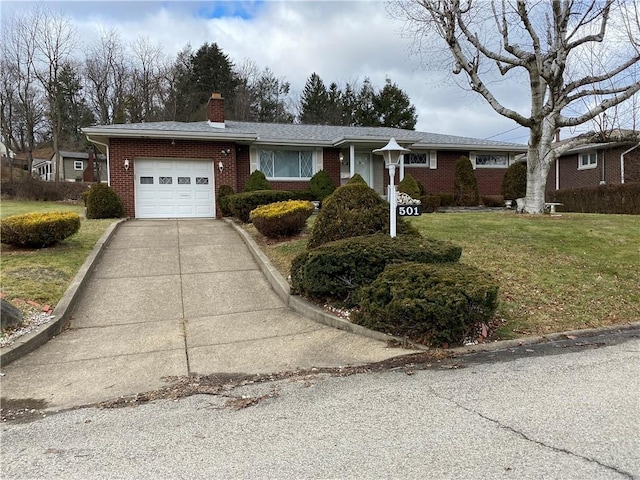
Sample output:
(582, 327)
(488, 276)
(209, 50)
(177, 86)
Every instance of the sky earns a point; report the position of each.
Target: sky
(342, 41)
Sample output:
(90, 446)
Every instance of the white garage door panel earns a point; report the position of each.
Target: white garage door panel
(174, 188)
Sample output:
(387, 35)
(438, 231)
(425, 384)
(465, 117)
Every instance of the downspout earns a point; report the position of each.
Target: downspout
(107, 148)
(558, 173)
(622, 161)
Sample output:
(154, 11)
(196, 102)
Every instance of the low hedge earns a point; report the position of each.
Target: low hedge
(241, 204)
(430, 304)
(337, 269)
(619, 199)
(223, 199)
(492, 200)
(38, 230)
(446, 199)
(430, 203)
(30, 188)
(281, 219)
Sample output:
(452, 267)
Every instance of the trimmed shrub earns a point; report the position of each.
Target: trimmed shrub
(282, 219)
(431, 304)
(321, 185)
(421, 187)
(409, 186)
(615, 199)
(465, 184)
(430, 203)
(257, 181)
(357, 179)
(337, 269)
(104, 202)
(493, 200)
(514, 183)
(241, 204)
(85, 196)
(351, 211)
(223, 202)
(38, 230)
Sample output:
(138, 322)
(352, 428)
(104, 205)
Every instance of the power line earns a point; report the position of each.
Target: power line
(502, 133)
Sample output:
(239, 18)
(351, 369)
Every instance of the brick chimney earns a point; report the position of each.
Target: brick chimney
(215, 110)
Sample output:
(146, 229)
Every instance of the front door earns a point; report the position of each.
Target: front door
(363, 167)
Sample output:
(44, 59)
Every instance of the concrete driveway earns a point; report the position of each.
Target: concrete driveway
(171, 298)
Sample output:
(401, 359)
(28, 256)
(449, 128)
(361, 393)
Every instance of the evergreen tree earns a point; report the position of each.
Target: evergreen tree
(314, 102)
(74, 111)
(394, 108)
(270, 100)
(349, 104)
(365, 113)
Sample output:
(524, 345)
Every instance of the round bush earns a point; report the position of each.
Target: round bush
(351, 211)
(409, 186)
(465, 185)
(37, 230)
(514, 183)
(223, 202)
(431, 304)
(257, 181)
(321, 185)
(104, 202)
(357, 179)
(281, 219)
(337, 269)
(241, 204)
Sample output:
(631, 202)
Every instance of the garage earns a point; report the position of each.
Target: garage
(174, 188)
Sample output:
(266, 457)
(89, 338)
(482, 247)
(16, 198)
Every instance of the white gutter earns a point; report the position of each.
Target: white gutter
(622, 161)
(95, 159)
(176, 134)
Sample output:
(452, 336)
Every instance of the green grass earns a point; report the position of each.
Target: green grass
(556, 273)
(43, 275)
(18, 207)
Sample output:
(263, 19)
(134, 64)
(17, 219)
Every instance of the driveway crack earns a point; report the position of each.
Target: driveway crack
(183, 319)
(530, 439)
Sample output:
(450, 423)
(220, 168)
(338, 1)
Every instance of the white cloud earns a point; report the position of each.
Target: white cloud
(340, 40)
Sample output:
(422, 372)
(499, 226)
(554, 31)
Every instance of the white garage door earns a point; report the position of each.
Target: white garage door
(174, 188)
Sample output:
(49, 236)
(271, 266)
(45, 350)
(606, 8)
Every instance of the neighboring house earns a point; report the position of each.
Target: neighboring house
(596, 164)
(173, 169)
(74, 166)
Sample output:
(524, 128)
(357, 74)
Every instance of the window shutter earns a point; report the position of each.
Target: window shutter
(512, 158)
(433, 159)
(319, 163)
(472, 157)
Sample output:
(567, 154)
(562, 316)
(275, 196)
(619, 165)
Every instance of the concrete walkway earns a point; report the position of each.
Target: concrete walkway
(171, 298)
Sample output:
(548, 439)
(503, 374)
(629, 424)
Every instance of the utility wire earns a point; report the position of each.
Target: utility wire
(502, 133)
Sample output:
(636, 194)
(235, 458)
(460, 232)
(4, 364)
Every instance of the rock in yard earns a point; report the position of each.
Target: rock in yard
(10, 315)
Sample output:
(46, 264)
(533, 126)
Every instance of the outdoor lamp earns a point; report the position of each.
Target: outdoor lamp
(391, 153)
(220, 166)
(126, 164)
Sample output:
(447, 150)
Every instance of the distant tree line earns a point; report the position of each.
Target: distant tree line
(52, 85)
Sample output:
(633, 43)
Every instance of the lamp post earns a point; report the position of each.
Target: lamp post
(391, 153)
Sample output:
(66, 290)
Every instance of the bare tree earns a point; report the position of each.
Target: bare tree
(536, 42)
(55, 41)
(106, 76)
(147, 81)
(21, 113)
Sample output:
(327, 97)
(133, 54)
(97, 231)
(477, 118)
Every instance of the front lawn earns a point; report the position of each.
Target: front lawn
(556, 273)
(43, 275)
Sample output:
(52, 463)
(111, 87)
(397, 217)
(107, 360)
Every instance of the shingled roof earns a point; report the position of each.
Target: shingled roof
(295, 134)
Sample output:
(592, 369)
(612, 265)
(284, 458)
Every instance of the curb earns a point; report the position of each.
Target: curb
(62, 312)
(317, 314)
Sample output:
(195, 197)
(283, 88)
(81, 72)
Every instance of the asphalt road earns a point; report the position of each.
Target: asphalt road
(531, 415)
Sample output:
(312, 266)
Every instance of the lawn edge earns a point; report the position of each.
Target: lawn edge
(62, 312)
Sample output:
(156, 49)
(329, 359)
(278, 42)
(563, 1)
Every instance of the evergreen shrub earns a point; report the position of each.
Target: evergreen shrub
(281, 219)
(446, 199)
(337, 269)
(223, 201)
(493, 200)
(409, 186)
(257, 181)
(353, 210)
(104, 202)
(241, 204)
(430, 203)
(321, 185)
(514, 182)
(38, 230)
(465, 184)
(430, 304)
(357, 179)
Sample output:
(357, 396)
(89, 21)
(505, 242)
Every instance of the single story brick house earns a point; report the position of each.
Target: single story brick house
(610, 163)
(173, 169)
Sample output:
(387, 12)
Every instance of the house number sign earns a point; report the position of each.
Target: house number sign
(409, 210)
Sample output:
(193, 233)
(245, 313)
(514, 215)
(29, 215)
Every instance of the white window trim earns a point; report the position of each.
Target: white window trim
(315, 156)
(474, 155)
(75, 165)
(417, 165)
(591, 165)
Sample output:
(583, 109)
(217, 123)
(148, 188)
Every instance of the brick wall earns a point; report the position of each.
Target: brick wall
(123, 181)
